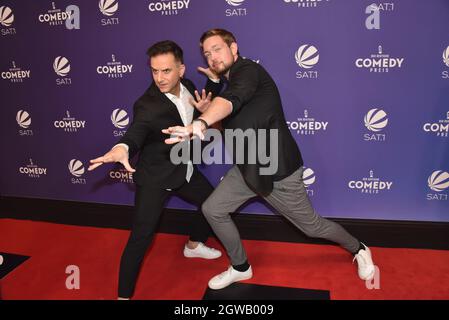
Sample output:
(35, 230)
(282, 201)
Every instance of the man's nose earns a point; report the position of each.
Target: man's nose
(213, 57)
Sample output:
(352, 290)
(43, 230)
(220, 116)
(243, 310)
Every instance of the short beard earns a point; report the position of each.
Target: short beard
(224, 71)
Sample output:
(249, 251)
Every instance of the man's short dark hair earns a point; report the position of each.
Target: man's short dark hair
(166, 46)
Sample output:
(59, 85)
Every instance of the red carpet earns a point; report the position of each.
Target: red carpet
(166, 274)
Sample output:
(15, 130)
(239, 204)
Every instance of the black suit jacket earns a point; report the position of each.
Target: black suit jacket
(257, 105)
(153, 111)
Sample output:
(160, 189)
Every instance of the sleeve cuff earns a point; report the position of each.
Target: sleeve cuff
(215, 80)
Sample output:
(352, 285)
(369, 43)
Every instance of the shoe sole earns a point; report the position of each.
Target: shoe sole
(207, 258)
(227, 285)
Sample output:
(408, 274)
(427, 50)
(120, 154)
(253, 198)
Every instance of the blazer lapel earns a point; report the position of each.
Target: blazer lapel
(167, 103)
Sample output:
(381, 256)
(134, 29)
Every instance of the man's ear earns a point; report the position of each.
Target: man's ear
(182, 70)
(234, 48)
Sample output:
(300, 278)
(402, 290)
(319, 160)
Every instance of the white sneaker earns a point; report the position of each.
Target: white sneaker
(202, 251)
(228, 277)
(365, 263)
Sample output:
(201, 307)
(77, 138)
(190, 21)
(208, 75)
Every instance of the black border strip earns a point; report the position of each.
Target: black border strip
(380, 233)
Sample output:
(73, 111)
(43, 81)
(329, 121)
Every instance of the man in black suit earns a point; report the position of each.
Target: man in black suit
(168, 102)
(251, 102)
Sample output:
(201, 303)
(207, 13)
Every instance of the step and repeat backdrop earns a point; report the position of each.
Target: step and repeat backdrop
(364, 85)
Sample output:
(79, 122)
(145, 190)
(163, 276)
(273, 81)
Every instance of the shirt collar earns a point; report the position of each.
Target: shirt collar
(181, 93)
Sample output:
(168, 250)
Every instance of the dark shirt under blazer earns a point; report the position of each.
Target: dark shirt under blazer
(256, 104)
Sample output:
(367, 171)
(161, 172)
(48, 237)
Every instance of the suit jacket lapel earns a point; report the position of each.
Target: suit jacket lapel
(167, 103)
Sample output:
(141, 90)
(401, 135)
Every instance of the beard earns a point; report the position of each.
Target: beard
(221, 69)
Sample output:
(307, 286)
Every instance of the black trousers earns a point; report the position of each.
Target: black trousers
(149, 203)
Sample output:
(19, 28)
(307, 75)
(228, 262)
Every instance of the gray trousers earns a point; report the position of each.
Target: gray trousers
(288, 197)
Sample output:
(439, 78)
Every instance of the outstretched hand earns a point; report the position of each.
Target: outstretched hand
(179, 133)
(202, 102)
(209, 73)
(116, 154)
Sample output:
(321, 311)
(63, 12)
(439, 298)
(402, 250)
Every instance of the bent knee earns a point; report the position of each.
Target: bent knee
(212, 210)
